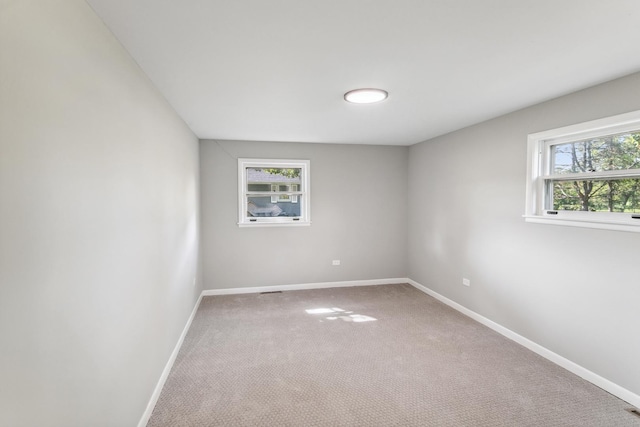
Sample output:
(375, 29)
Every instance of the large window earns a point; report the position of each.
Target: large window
(587, 175)
(273, 192)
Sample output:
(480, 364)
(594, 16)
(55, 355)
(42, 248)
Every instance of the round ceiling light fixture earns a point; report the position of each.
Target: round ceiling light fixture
(366, 96)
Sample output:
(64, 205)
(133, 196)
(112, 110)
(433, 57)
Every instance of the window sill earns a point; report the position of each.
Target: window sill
(602, 225)
(274, 224)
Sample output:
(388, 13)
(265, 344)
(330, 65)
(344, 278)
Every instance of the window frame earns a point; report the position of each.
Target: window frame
(302, 196)
(538, 171)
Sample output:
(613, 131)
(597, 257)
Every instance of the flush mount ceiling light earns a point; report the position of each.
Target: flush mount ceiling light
(365, 96)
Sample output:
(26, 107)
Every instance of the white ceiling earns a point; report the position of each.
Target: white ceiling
(277, 70)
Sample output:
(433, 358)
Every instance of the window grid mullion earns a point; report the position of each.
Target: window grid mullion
(603, 175)
(273, 193)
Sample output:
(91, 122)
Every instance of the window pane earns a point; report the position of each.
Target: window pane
(273, 192)
(263, 207)
(620, 195)
(258, 187)
(614, 152)
(277, 177)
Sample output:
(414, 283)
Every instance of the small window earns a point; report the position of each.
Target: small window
(273, 192)
(587, 175)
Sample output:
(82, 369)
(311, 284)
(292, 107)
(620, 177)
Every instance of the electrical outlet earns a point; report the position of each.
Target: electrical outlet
(466, 282)
(335, 262)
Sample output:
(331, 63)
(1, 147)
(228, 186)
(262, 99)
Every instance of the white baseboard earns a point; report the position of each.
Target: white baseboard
(582, 372)
(167, 369)
(258, 289)
(570, 366)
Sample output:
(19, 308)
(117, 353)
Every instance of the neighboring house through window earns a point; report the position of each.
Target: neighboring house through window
(273, 192)
(586, 175)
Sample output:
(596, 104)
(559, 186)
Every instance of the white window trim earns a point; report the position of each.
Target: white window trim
(305, 202)
(537, 150)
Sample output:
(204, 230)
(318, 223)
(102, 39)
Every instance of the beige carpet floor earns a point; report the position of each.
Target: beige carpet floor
(366, 356)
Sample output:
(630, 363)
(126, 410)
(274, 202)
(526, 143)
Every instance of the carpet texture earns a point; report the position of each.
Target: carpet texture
(366, 356)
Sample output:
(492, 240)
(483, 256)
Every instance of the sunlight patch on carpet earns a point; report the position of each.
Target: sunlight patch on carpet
(346, 316)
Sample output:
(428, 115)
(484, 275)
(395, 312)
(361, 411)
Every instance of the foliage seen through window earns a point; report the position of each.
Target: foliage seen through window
(603, 193)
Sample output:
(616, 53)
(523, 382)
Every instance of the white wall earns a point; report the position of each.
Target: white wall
(98, 222)
(575, 291)
(358, 214)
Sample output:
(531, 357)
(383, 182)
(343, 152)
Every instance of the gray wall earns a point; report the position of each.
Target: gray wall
(358, 214)
(98, 222)
(575, 291)
(99, 226)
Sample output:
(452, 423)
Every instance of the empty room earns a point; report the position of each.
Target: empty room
(339, 213)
